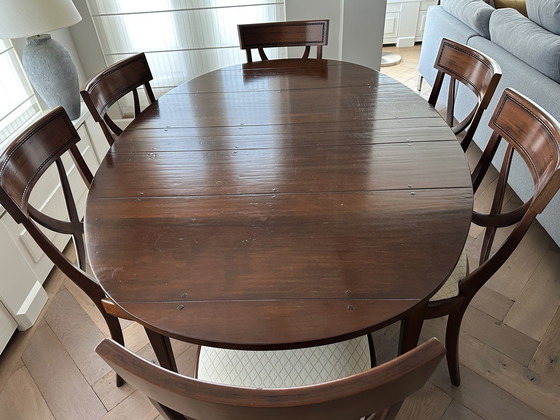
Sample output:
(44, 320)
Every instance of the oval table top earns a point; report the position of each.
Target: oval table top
(279, 204)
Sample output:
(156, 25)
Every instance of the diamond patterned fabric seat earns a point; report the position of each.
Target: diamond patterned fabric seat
(284, 368)
(451, 287)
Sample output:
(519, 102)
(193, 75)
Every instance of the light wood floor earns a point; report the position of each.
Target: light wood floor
(510, 344)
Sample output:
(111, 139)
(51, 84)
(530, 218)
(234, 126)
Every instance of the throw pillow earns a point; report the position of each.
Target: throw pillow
(527, 41)
(545, 13)
(473, 13)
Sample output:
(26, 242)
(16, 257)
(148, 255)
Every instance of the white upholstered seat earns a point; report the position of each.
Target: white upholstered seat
(284, 368)
(451, 287)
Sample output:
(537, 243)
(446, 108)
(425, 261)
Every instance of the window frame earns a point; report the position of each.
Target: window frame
(26, 107)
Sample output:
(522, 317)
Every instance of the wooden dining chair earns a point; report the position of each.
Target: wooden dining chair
(112, 84)
(305, 33)
(471, 68)
(380, 390)
(532, 135)
(22, 164)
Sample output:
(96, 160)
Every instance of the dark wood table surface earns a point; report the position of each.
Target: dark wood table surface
(279, 204)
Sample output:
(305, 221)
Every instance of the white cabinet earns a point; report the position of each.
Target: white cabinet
(23, 265)
(404, 21)
(7, 327)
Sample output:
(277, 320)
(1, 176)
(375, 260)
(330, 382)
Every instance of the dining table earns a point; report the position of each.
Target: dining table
(279, 204)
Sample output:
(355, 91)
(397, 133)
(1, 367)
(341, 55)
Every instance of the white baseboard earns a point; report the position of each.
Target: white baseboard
(31, 307)
(405, 41)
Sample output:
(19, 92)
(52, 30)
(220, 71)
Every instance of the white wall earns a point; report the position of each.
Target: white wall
(85, 38)
(319, 9)
(362, 42)
(355, 27)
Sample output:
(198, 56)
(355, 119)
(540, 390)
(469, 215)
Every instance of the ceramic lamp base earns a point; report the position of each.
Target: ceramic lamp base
(52, 73)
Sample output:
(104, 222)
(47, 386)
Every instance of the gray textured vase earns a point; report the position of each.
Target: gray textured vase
(52, 73)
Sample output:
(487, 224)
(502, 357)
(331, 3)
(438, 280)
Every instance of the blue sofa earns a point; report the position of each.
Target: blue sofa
(528, 51)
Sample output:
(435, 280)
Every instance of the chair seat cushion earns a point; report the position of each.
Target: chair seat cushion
(284, 368)
(451, 287)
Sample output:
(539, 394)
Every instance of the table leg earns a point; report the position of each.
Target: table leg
(372, 353)
(163, 350)
(411, 327)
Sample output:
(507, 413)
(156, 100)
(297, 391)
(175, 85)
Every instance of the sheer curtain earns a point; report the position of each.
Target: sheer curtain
(182, 39)
(18, 104)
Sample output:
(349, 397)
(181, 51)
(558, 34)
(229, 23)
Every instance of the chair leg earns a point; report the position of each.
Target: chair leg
(452, 345)
(116, 334)
(163, 350)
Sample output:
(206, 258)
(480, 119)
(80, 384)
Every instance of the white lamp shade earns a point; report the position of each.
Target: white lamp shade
(23, 18)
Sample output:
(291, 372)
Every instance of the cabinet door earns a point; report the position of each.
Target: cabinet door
(21, 292)
(391, 30)
(421, 24)
(405, 20)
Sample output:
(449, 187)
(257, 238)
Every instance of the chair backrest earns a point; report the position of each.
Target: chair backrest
(381, 389)
(22, 164)
(473, 69)
(306, 33)
(534, 135)
(113, 83)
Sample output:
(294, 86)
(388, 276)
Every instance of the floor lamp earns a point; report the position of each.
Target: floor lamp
(48, 64)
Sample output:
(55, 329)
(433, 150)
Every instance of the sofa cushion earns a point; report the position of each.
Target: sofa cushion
(474, 13)
(518, 5)
(527, 41)
(545, 13)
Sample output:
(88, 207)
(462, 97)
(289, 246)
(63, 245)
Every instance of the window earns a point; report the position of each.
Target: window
(18, 104)
(182, 39)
